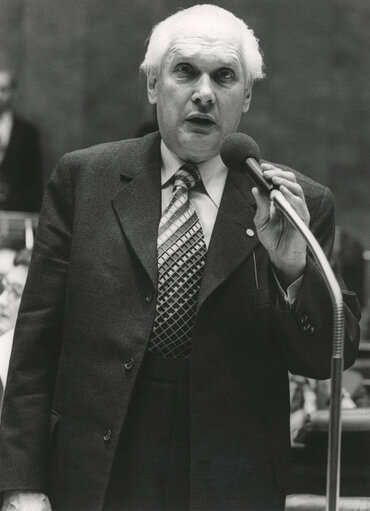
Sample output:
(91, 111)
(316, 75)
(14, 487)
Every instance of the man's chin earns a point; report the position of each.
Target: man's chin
(200, 147)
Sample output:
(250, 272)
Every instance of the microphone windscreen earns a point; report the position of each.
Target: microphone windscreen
(236, 148)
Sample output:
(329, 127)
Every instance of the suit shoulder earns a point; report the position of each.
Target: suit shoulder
(111, 152)
(104, 164)
(104, 150)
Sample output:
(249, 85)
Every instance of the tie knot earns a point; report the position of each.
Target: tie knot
(187, 176)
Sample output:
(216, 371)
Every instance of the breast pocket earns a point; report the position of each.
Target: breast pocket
(53, 428)
(259, 280)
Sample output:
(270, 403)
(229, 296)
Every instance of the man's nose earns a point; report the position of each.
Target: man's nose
(204, 94)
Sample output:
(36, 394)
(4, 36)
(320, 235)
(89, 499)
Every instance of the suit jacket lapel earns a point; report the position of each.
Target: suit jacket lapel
(138, 202)
(138, 209)
(234, 234)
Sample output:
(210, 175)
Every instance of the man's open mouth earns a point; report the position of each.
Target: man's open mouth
(201, 121)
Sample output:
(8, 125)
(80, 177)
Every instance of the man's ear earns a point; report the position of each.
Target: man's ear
(151, 85)
(247, 99)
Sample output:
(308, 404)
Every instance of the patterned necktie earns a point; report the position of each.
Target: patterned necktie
(181, 258)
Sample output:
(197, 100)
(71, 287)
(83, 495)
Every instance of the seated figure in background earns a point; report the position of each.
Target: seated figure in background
(348, 262)
(21, 183)
(12, 289)
(7, 256)
(308, 395)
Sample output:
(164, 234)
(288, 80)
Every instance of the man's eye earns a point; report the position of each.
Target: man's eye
(184, 69)
(225, 74)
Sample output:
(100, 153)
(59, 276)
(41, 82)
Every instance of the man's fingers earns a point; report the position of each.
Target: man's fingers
(294, 187)
(269, 171)
(286, 182)
(263, 202)
(291, 191)
(296, 202)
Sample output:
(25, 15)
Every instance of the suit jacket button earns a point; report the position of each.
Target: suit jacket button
(249, 233)
(149, 297)
(128, 364)
(304, 319)
(107, 435)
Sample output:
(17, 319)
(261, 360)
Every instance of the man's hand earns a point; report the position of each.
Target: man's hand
(25, 501)
(286, 247)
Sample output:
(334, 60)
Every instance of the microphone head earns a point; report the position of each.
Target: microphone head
(236, 148)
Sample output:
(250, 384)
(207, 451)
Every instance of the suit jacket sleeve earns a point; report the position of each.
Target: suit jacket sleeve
(37, 343)
(305, 332)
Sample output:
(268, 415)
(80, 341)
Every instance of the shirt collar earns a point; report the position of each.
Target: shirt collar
(213, 172)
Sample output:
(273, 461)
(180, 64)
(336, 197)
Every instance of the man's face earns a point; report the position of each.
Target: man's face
(6, 91)
(201, 91)
(13, 285)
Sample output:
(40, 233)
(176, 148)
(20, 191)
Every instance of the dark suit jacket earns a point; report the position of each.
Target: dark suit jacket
(88, 310)
(21, 169)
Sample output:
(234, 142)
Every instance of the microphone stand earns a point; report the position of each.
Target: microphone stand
(335, 425)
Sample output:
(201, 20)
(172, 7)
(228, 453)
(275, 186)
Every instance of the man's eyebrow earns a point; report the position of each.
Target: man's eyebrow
(190, 59)
(227, 64)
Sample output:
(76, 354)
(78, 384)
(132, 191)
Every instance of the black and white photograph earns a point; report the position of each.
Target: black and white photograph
(184, 255)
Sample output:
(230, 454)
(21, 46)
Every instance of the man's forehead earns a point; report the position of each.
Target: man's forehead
(209, 39)
(214, 51)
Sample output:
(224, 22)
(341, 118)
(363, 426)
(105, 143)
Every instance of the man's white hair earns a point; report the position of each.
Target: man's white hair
(208, 18)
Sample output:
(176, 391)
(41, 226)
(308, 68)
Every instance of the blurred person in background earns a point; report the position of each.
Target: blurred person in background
(348, 262)
(308, 395)
(21, 174)
(7, 256)
(12, 283)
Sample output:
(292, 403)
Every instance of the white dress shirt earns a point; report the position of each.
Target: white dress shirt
(206, 200)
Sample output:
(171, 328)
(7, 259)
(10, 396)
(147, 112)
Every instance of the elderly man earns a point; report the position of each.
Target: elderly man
(165, 304)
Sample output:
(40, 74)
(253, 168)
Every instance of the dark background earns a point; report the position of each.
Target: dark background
(77, 62)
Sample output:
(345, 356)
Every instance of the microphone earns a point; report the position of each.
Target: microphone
(240, 150)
